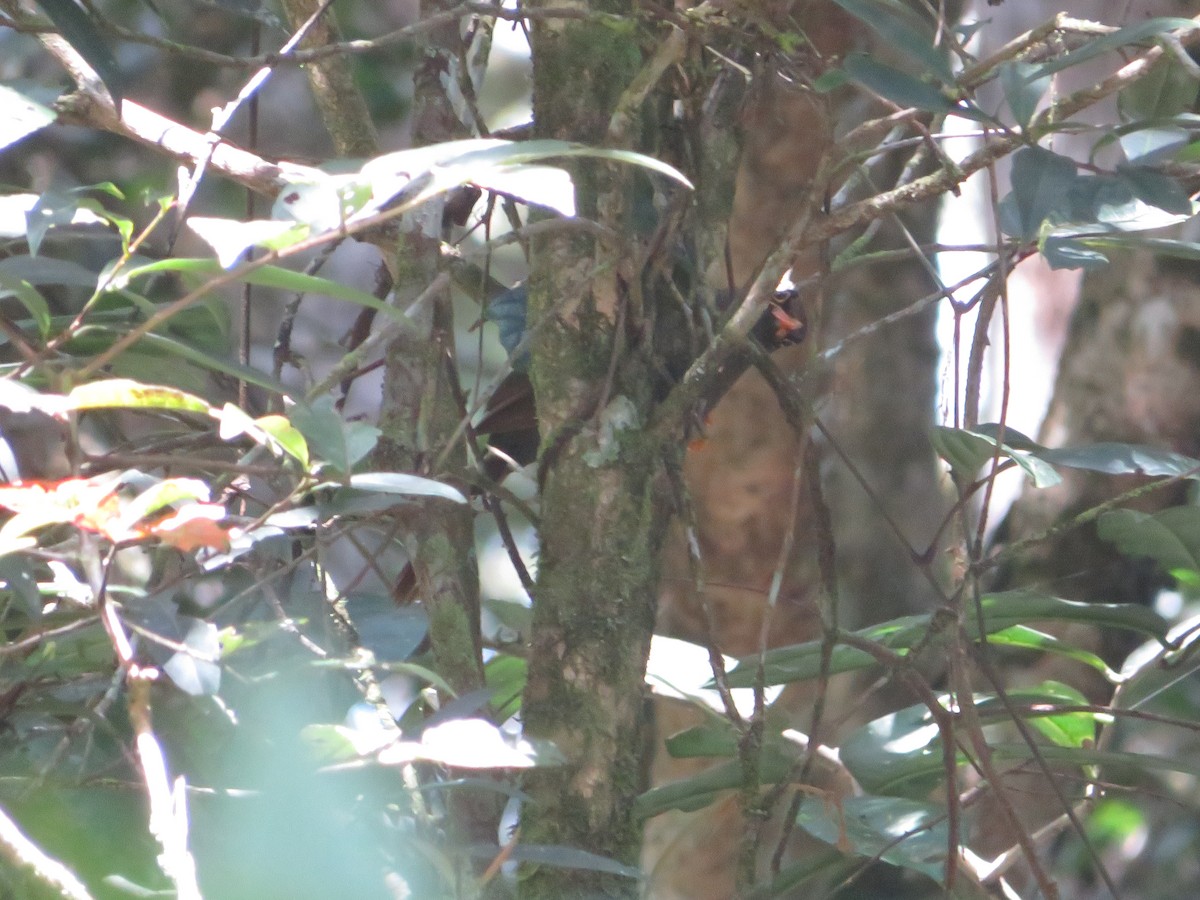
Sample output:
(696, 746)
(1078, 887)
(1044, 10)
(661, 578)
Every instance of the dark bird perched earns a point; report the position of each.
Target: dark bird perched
(510, 418)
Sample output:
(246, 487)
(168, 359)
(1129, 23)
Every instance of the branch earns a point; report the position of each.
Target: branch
(22, 854)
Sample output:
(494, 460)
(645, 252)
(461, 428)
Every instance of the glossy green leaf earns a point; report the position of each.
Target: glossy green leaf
(1152, 670)
(1022, 637)
(407, 178)
(39, 270)
(1063, 252)
(968, 452)
(568, 858)
(1149, 146)
(1107, 457)
(286, 436)
(900, 754)
(902, 832)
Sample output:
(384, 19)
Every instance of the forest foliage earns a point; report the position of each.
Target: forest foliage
(210, 683)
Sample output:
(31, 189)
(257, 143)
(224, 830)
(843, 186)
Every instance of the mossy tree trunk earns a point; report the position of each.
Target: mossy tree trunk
(604, 508)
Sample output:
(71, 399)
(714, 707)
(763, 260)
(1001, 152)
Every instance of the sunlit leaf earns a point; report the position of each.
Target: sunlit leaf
(1022, 637)
(505, 676)
(127, 394)
(286, 436)
(197, 526)
(406, 485)
(898, 831)
(20, 116)
(160, 495)
(566, 858)
(466, 744)
(230, 238)
(195, 670)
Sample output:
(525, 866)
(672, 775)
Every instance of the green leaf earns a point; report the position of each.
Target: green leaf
(195, 670)
(567, 858)
(902, 29)
(40, 270)
(1023, 89)
(407, 178)
(1131, 34)
(1166, 90)
(286, 436)
(1150, 146)
(163, 347)
(698, 791)
(1042, 183)
(20, 115)
(1170, 537)
(900, 754)
(969, 451)
(77, 28)
(901, 832)
(406, 485)
(391, 634)
(230, 238)
(1157, 189)
(1152, 670)
(1062, 252)
(1107, 457)
(1067, 729)
(899, 87)
(1021, 637)
(703, 741)
(801, 662)
(269, 431)
(505, 676)
(28, 296)
(127, 394)
(331, 439)
(158, 496)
